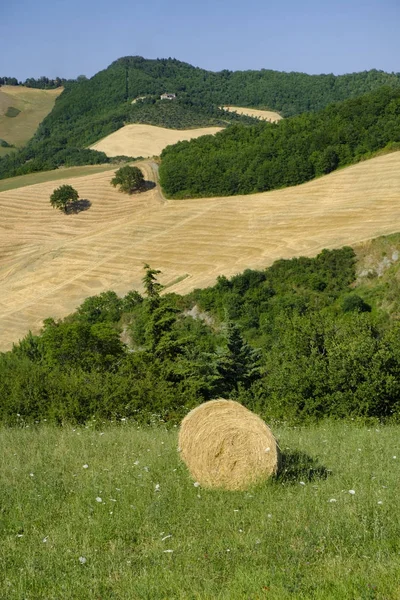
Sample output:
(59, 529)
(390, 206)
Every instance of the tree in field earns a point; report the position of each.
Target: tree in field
(62, 196)
(130, 179)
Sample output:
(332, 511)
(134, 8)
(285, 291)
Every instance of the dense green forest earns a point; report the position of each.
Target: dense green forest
(89, 109)
(295, 342)
(244, 160)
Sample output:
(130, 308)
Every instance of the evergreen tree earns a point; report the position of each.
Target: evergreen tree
(239, 363)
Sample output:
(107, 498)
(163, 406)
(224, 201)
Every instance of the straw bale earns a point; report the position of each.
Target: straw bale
(225, 445)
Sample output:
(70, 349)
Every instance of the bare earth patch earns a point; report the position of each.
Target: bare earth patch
(50, 262)
(146, 140)
(264, 115)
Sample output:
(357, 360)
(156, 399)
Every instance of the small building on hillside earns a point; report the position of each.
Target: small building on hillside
(168, 96)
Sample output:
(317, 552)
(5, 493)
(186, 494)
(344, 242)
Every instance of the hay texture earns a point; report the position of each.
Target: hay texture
(224, 445)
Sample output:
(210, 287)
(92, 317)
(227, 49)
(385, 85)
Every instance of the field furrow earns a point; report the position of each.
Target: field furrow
(50, 262)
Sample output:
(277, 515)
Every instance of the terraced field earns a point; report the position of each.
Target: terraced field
(264, 115)
(146, 140)
(50, 262)
(33, 105)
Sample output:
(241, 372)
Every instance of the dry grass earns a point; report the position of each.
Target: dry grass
(20, 181)
(264, 115)
(146, 140)
(226, 446)
(50, 262)
(34, 106)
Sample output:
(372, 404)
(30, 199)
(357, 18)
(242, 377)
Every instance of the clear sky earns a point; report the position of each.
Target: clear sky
(73, 37)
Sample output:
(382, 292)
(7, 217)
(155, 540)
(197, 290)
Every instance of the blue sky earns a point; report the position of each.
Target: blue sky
(73, 37)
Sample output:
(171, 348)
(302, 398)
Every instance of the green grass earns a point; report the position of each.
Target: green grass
(12, 111)
(282, 540)
(12, 183)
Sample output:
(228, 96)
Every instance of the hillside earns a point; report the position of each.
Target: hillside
(263, 115)
(32, 106)
(50, 262)
(91, 109)
(146, 140)
(245, 160)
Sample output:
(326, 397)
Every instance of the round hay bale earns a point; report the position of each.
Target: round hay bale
(225, 445)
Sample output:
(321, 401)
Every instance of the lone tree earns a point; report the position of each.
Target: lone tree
(130, 179)
(62, 196)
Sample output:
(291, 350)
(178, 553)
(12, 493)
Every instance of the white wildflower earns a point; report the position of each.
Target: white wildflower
(31, 474)
(85, 466)
(352, 492)
(98, 499)
(44, 540)
(82, 560)
(196, 484)
(302, 483)
(380, 502)
(157, 487)
(394, 456)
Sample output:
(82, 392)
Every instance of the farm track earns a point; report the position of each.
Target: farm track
(50, 262)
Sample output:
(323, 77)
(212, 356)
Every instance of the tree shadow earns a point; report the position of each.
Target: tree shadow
(297, 465)
(78, 206)
(148, 185)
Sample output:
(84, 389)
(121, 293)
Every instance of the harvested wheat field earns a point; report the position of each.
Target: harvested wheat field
(34, 105)
(146, 140)
(50, 262)
(225, 445)
(264, 115)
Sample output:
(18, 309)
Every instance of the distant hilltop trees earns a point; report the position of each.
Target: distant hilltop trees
(42, 83)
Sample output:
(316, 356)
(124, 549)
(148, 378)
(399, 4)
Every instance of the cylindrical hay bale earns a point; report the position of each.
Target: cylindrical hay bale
(225, 445)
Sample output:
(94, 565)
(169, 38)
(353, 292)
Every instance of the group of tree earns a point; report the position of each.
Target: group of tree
(129, 179)
(89, 109)
(41, 83)
(295, 342)
(244, 160)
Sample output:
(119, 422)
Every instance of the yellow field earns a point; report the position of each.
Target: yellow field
(50, 262)
(34, 105)
(146, 140)
(264, 115)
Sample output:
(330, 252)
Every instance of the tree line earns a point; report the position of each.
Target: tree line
(244, 160)
(294, 342)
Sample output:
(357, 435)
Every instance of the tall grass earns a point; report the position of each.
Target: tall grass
(110, 513)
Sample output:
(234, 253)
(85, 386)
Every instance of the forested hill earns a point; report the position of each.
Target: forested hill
(90, 109)
(244, 160)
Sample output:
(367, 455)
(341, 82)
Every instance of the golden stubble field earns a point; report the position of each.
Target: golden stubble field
(146, 140)
(264, 115)
(50, 262)
(34, 105)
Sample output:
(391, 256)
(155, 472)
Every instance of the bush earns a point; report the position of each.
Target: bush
(130, 179)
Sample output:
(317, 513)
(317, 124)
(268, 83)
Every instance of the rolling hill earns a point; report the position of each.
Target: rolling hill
(50, 262)
(146, 140)
(32, 106)
(89, 110)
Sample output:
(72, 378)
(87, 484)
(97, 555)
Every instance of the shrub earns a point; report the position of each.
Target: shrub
(130, 179)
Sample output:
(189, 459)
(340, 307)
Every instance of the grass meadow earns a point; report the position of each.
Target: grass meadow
(110, 512)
